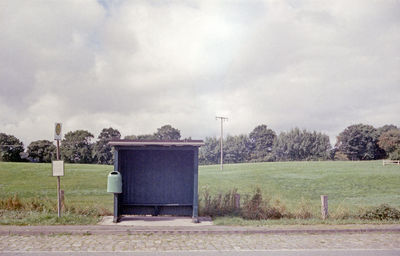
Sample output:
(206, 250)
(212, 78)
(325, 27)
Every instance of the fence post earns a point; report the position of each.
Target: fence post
(237, 201)
(324, 206)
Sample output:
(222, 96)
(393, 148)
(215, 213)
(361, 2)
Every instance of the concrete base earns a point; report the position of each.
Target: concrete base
(158, 221)
(116, 219)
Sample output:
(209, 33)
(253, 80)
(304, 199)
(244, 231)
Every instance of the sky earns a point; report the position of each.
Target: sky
(138, 65)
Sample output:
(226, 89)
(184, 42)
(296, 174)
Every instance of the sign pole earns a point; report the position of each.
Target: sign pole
(58, 166)
(58, 183)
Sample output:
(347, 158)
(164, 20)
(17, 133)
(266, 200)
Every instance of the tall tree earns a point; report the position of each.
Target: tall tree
(359, 142)
(102, 153)
(237, 149)
(147, 137)
(385, 128)
(390, 142)
(130, 137)
(10, 148)
(42, 151)
(76, 147)
(302, 145)
(261, 140)
(210, 152)
(141, 137)
(321, 147)
(167, 132)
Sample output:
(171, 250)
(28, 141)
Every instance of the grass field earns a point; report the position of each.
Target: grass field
(84, 184)
(349, 185)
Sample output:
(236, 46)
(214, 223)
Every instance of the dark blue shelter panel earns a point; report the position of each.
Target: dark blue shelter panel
(159, 180)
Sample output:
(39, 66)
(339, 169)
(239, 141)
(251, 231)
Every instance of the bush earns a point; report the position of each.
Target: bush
(341, 213)
(40, 205)
(88, 211)
(303, 210)
(258, 209)
(46, 205)
(382, 212)
(254, 207)
(220, 205)
(340, 156)
(11, 203)
(395, 155)
(14, 203)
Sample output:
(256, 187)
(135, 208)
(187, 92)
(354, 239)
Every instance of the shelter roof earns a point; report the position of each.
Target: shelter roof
(165, 143)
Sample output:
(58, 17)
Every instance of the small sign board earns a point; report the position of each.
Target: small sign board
(57, 131)
(58, 167)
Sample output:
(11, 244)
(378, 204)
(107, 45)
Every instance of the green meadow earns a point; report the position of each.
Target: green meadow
(350, 186)
(347, 184)
(83, 184)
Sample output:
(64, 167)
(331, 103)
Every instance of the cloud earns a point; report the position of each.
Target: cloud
(137, 65)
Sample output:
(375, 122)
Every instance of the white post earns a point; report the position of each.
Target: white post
(324, 206)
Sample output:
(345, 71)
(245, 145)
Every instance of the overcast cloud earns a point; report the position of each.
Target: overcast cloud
(137, 65)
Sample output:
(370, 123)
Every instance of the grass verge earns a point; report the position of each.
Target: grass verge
(237, 221)
(43, 211)
(8, 217)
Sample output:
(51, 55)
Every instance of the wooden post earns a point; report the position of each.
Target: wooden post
(237, 201)
(62, 200)
(58, 197)
(324, 206)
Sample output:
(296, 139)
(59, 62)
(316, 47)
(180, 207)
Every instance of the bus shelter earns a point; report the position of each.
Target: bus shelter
(158, 177)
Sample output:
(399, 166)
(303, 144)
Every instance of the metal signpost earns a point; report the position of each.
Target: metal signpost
(58, 166)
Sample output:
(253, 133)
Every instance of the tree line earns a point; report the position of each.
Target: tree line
(262, 144)
(356, 142)
(76, 147)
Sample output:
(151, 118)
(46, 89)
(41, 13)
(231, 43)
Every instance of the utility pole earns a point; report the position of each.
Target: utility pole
(222, 137)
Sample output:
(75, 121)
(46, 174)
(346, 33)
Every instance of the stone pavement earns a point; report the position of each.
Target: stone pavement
(127, 228)
(120, 238)
(195, 242)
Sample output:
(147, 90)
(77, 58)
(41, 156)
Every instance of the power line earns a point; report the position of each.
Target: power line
(221, 139)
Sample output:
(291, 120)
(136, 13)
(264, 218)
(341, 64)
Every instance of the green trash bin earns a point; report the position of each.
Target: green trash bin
(114, 183)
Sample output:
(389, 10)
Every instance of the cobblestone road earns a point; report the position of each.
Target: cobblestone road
(178, 242)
